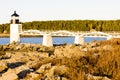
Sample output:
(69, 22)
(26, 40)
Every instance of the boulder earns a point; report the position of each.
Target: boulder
(94, 44)
(3, 66)
(19, 47)
(84, 49)
(64, 78)
(33, 76)
(68, 51)
(1, 47)
(2, 53)
(5, 47)
(9, 76)
(107, 47)
(44, 54)
(50, 74)
(92, 77)
(55, 72)
(6, 55)
(61, 70)
(43, 68)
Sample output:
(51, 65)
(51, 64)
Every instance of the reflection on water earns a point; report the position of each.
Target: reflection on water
(56, 40)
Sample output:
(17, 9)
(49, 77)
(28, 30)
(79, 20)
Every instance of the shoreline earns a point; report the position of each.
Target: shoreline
(29, 61)
(8, 36)
(4, 35)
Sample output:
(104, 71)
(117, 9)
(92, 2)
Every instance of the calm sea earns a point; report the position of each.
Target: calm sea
(56, 40)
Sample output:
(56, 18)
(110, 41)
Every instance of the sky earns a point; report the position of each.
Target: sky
(43, 10)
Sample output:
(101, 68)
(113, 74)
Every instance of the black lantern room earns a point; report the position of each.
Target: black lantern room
(14, 18)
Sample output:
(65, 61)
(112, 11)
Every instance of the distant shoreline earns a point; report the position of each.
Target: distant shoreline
(8, 36)
(4, 35)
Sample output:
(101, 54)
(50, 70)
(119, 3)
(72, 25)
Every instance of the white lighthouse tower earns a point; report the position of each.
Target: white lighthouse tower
(15, 28)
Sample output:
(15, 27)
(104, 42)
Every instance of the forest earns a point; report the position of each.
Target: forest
(71, 25)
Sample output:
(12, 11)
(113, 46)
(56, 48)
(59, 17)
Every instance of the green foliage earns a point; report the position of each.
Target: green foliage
(74, 25)
(4, 27)
(71, 25)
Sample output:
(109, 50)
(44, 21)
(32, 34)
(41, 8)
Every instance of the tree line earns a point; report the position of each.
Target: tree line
(71, 25)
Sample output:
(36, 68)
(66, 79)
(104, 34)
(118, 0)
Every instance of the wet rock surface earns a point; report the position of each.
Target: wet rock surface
(90, 61)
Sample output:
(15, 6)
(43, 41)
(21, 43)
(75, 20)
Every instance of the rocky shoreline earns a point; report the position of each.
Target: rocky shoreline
(90, 61)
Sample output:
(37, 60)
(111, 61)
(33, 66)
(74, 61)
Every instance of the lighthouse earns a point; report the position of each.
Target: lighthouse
(15, 28)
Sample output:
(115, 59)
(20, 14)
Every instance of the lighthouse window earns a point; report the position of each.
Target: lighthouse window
(17, 21)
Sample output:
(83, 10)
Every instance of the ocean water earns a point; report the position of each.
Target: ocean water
(56, 40)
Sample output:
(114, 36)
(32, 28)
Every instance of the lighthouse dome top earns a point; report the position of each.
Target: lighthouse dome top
(15, 14)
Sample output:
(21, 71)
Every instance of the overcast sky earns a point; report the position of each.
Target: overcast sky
(32, 10)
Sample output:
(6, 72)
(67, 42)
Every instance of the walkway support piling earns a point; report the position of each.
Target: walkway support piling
(109, 37)
(47, 40)
(79, 39)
